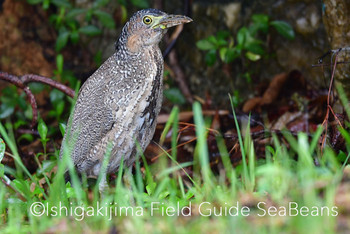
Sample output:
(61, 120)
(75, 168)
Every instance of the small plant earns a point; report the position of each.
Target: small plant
(66, 23)
(42, 129)
(247, 41)
(171, 91)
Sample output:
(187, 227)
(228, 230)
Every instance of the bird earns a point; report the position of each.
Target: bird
(117, 106)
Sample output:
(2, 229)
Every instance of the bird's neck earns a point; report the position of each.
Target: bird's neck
(124, 54)
(129, 48)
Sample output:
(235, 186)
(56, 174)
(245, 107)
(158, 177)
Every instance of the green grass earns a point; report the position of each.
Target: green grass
(288, 176)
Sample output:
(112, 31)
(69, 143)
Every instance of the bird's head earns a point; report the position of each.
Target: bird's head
(147, 27)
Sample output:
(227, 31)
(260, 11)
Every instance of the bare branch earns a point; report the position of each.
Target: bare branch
(29, 78)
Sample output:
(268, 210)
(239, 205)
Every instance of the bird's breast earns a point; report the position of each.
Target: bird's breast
(139, 97)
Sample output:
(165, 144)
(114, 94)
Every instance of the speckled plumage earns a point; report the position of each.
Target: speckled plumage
(120, 102)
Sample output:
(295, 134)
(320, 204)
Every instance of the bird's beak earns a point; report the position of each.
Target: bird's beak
(169, 21)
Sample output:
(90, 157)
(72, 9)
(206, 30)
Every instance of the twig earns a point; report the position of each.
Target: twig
(332, 52)
(173, 40)
(28, 131)
(175, 35)
(186, 126)
(329, 108)
(45, 80)
(180, 76)
(328, 64)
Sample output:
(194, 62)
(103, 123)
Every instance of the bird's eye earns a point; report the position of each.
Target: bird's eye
(147, 20)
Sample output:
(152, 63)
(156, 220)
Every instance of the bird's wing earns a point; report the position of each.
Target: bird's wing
(94, 115)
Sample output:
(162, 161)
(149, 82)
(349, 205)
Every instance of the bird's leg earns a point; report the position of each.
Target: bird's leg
(104, 168)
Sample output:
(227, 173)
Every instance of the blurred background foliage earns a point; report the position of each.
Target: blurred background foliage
(259, 52)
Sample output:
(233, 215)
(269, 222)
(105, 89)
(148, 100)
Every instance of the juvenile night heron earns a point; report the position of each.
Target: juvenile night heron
(117, 107)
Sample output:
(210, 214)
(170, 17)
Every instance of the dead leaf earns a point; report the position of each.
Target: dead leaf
(272, 92)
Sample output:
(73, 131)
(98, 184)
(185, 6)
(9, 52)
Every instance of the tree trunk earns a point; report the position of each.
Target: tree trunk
(336, 18)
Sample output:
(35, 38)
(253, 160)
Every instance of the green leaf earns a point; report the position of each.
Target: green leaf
(261, 22)
(19, 123)
(36, 87)
(56, 96)
(222, 53)
(260, 18)
(140, 3)
(42, 129)
(59, 108)
(47, 166)
(247, 41)
(2, 170)
(28, 113)
(210, 57)
(205, 45)
(61, 40)
(53, 19)
(2, 149)
(68, 75)
(59, 63)
(98, 58)
(100, 3)
(175, 96)
(105, 18)
(19, 185)
(212, 39)
(62, 3)
(231, 55)
(6, 110)
(88, 14)
(75, 12)
(151, 187)
(122, 2)
(252, 57)
(163, 195)
(255, 47)
(221, 42)
(236, 99)
(46, 4)
(62, 127)
(34, 1)
(241, 35)
(222, 34)
(74, 37)
(90, 30)
(21, 101)
(284, 29)
(227, 55)
(27, 137)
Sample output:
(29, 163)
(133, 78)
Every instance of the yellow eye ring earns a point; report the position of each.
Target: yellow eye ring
(147, 20)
